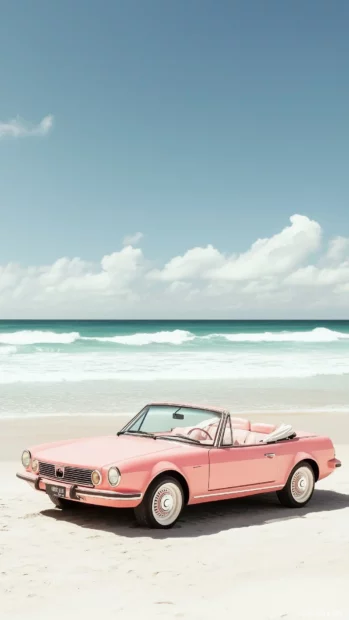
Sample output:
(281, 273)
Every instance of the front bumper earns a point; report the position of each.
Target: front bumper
(77, 493)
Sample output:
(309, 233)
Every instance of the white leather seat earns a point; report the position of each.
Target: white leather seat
(247, 438)
(252, 438)
(241, 437)
(255, 438)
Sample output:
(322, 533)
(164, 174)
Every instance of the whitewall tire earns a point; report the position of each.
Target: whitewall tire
(162, 503)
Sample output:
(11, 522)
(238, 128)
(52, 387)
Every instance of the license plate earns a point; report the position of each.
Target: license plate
(56, 491)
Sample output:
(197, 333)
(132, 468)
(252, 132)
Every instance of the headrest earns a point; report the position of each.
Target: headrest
(260, 427)
(241, 423)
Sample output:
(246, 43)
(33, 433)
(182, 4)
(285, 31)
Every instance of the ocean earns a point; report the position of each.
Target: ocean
(110, 360)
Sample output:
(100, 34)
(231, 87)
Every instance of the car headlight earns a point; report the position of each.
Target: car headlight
(96, 477)
(114, 476)
(35, 466)
(26, 458)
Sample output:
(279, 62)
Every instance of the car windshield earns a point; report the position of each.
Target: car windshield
(179, 423)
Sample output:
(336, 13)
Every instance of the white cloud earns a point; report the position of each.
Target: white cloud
(133, 239)
(279, 276)
(191, 265)
(312, 276)
(338, 249)
(18, 128)
(275, 255)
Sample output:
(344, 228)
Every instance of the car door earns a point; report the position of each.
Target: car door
(242, 466)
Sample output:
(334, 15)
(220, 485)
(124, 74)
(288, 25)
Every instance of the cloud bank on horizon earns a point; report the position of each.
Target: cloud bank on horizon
(286, 275)
(19, 128)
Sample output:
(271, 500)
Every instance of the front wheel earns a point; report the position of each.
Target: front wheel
(162, 504)
(299, 487)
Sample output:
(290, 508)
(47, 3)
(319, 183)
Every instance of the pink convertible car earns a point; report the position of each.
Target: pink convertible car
(171, 454)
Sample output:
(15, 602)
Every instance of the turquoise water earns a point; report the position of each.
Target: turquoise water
(55, 351)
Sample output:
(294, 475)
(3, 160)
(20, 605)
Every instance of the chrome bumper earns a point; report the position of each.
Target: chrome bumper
(76, 493)
(31, 479)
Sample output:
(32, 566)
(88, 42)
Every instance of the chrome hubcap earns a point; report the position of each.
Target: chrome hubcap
(167, 503)
(302, 484)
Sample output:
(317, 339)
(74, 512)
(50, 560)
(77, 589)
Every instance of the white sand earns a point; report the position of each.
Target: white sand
(236, 559)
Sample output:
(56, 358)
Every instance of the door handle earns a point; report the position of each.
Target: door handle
(270, 455)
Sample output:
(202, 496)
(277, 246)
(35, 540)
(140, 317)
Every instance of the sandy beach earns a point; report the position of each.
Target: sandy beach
(174, 229)
(247, 558)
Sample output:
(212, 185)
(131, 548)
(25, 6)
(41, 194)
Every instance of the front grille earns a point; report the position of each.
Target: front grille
(73, 475)
(48, 470)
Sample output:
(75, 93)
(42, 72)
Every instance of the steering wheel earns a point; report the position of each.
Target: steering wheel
(199, 429)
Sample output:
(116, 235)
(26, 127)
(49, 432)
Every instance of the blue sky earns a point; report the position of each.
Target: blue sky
(194, 122)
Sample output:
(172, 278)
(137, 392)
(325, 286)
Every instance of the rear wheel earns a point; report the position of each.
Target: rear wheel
(299, 487)
(162, 504)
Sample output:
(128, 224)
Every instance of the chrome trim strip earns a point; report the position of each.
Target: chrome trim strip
(274, 486)
(220, 443)
(220, 430)
(107, 494)
(121, 498)
(133, 420)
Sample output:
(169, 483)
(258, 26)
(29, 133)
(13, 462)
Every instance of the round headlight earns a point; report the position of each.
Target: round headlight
(96, 477)
(35, 466)
(26, 458)
(114, 476)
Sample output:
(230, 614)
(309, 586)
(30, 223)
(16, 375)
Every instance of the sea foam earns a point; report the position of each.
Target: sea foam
(176, 337)
(28, 337)
(153, 365)
(4, 350)
(319, 334)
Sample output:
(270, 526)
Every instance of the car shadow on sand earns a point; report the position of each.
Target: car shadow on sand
(201, 519)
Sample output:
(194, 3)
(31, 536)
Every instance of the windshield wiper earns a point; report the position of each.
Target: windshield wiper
(173, 437)
(141, 433)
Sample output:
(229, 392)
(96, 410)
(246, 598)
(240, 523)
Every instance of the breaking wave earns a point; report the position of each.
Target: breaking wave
(319, 334)
(28, 337)
(176, 337)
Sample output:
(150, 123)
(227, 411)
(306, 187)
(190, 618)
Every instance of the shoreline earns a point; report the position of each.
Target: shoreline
(242, 398)
(253, 415)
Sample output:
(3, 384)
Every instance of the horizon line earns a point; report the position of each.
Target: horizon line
(172, 320)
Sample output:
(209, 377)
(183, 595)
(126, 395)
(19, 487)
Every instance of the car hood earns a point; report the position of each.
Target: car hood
(100, 451)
